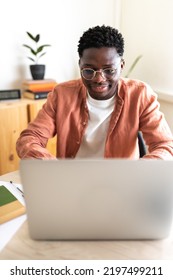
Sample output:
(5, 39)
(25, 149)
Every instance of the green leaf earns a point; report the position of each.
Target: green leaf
(133, 66)
(35, 39)
(31, 36)
(28, 47)
(41, 48)
(34, 52)
(42, 54)
(31, 59)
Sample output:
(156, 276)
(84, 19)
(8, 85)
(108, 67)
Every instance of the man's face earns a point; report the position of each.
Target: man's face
(101, 87)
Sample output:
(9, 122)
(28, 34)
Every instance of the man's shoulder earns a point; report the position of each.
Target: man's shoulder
(69, 90)
(131, 83)
(135, 87)
(70, 84)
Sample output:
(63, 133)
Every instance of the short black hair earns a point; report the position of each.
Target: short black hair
(101, 36)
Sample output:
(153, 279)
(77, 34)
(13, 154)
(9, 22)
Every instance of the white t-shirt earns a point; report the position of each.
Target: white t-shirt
(93, 142)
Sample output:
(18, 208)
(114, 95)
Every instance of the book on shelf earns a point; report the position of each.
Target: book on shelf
(35, 95)
(10, 206)
(39, 85)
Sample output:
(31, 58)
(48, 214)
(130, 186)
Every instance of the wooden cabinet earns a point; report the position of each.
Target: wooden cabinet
(14, 117)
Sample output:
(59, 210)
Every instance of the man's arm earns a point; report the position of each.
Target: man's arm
(33, 140)
(156, 132)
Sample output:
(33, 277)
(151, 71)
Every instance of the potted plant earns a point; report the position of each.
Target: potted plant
(37, 70)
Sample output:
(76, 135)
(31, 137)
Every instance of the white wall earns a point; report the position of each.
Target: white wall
(60, 24)
(147, 28)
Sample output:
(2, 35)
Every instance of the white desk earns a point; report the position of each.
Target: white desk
(21, 246)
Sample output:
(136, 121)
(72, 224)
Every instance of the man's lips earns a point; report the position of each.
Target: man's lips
(99, 87)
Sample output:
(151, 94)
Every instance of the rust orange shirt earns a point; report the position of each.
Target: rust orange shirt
(65, 113)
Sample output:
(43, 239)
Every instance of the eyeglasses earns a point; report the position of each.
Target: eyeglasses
(107, 73)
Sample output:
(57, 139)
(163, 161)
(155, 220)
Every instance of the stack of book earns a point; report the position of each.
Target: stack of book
(37, 89)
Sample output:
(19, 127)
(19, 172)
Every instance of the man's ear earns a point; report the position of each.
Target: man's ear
(122, 63)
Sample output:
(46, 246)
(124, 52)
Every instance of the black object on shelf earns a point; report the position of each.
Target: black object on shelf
(10, 94)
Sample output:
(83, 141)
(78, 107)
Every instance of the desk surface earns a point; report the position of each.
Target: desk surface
(21, 246)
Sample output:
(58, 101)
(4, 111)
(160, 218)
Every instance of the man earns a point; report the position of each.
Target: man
(100, 114)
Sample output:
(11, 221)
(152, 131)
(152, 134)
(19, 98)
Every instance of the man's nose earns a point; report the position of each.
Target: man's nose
(99, 76)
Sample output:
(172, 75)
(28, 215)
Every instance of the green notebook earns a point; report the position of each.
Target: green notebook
(10, 206)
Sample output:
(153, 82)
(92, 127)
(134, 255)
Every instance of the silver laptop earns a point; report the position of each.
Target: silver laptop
(98, 199)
